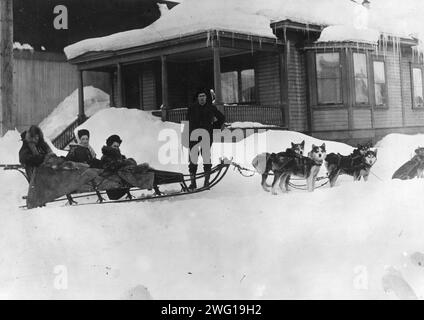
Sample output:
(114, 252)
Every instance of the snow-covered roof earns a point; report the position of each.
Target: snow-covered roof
(342, 33)
(253, 17)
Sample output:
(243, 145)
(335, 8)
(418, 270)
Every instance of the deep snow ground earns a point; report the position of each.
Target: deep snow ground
(235, 241)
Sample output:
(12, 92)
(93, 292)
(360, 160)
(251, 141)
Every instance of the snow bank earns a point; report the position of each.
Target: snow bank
(139, 130)
(253, 17)
(67, 111)
(147, 139)
(394, 150)
(10, 144)
(247, 124)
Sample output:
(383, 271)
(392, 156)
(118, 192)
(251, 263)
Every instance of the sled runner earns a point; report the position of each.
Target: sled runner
(67, 181)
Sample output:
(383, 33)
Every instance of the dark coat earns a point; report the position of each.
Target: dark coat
(113, 160)
(79, 153)
(206, 117)
(31, 154)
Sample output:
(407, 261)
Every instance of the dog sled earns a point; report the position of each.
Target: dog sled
(412, 168)
(65, 181)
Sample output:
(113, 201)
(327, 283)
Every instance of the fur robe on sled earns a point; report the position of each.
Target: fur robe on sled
(57, 177)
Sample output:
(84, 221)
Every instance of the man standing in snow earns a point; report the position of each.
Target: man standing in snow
(203, 117)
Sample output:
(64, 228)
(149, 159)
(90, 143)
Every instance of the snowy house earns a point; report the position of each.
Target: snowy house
(335, 70)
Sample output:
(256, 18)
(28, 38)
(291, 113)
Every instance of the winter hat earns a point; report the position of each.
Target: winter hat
(83, 132)
(34, 131)
(202, 90)
(205, 91)
(112, 139)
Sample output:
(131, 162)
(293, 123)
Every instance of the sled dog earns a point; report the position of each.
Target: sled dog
(358, 164)
(263, 163)
(303, 167)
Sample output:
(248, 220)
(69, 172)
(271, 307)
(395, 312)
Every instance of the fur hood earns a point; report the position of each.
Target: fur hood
(28, 139)
(111, 152)
(29, 135)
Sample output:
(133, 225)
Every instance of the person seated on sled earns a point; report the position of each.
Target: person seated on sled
(34, 150)
(83, 152)
(202, 118)
(112, 160)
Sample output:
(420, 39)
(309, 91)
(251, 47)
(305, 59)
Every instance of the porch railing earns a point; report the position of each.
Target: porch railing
(265, 114)
(67, 135)
(272, 115)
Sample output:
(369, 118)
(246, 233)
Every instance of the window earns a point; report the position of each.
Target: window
(248, 85)
(238, 86)
(328, 78)
(417, 78)
(361, 78)
(379, 83)
(229, 86)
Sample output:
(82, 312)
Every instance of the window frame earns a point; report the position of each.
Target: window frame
(386, 92)
(411, 70)
(239, 70)
(340, 104)
(237, 73)
(365, 105)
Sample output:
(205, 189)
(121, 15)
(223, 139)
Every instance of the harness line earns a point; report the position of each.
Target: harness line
(240, 169)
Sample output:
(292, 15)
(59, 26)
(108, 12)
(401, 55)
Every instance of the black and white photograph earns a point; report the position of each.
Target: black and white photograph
(210, 150)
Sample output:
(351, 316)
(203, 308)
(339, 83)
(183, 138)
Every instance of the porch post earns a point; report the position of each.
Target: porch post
(6, 65)
(112, 89)
(81, 111)
(140, 90)
(164, 88)
(119, 93)
(285, 78)
(217, 76)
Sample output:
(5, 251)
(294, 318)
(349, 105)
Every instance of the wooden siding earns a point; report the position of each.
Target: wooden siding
(267, 68)
(324, 120)
(362, 119)
(42, 81)
(297, 89)
(391, 116)
(149, 87)
(413, 117)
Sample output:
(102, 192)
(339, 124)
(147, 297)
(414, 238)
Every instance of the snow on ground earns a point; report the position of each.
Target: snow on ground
(67, 111)
(236, 241)
(247, 124)
(253, 17)
(9, 147)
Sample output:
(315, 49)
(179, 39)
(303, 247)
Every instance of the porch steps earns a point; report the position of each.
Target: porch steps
(67, 135)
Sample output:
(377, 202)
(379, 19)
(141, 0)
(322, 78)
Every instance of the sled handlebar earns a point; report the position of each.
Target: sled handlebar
(11, 166)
